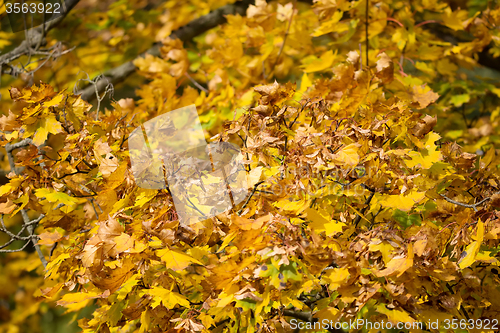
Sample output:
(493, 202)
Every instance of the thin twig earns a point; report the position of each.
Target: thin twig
(366, 30)
(30, 225)
(284, 38)
(109, 88)
(367, 203)
(473, 206)
(250, 197)
(199, 86)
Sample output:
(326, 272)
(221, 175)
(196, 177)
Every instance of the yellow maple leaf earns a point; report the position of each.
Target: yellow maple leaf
(46, 125)
(429, 156)
(166, 297)
(176, 260)
(324, 62)
(395, 316)
(331, 25)
(402, 201)
(322, 223)
(77, 301)
(384, 247)
(335, 277)
(54, 101)
(398, 265)
(423, 95)
(348, 155)
(249, 224)
(454, 19)
(469, 255)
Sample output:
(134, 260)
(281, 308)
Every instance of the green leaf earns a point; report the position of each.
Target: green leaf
(406, 220)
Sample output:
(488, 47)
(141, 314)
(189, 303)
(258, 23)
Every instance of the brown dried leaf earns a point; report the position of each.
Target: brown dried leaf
(424, 126)
(9, 123)
(7, 207)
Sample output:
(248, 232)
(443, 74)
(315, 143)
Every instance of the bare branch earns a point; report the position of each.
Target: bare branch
(109, 88)
(199, 86)
(250, 197)
(185, 33)
(473, 206)
(367, 204)
(35, 36)
(29, 225)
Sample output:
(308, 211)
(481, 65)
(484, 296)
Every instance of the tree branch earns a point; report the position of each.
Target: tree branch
(473, 206)
(367, 203)
(29, 225)
(185, 33)
(36, 36)
(250, 197)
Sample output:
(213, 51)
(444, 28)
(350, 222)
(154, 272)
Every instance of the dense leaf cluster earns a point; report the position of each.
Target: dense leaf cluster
(372, 170)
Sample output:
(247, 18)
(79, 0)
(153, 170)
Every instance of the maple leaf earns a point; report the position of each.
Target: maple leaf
(49, 238)
(398, 264)
(108, 163)
(424, 96)
(385, 68)
(126, 249)
(247, 224)
(454, 20)
(424, 126)
(113, 278)
(348, 155)
(428, 156)
(168, 298)
(468, 256)
(323, 223)
(176, 260)
(188, 325)
(74, 302)
(7, 207)
(403, 202)
(45, 126)
(320, 64)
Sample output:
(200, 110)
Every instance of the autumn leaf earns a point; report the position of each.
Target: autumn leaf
(247, 224)
(403, 202)
(348, 155)
(176, 260)
(7, 207)
(168, 298)
(454, 19)
(9, 123)
(398, 264)
(424, 96)
(385, 68)
(424, 126)
(323, 223)
(49, 238)
(322, 63)
(348, 165)
(468, 256)
(45, 126)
